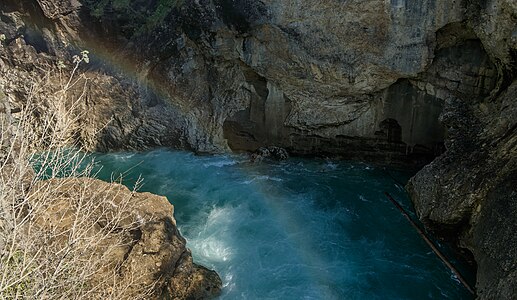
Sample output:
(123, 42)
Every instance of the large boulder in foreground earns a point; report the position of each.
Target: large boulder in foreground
(132, 236)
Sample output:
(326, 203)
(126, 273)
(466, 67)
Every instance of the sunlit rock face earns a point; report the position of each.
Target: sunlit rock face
(372, 80)
(152, 249)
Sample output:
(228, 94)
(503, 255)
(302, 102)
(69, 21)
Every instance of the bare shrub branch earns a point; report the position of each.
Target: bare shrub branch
(59, 235)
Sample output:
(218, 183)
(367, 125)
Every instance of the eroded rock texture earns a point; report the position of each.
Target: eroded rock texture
(391, 81)
(152, 254)
(309, 76)
(471, 190)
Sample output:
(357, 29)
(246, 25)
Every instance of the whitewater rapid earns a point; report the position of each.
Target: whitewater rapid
(298, 229)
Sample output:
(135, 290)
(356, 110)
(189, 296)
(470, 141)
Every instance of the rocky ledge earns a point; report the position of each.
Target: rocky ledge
(153, 254)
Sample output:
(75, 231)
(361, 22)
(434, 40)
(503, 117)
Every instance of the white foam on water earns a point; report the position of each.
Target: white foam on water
(220, 164)
(261, 178)
(265, 177)
(124, 156)
(211, 249)
(363, 198)
(331, 165)
(210, 244)
(290, 231)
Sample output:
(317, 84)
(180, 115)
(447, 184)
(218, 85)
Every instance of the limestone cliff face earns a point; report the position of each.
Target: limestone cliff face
(363, 79)
(313, 76)
(392, 81)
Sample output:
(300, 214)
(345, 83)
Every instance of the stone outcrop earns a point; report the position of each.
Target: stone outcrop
(272, 152)
(470, 192)
(390, 81)
(154, 252)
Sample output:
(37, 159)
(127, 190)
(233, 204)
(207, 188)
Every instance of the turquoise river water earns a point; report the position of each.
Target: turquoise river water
(298, 229)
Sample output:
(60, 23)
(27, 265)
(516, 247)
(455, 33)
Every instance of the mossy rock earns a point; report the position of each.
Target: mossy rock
(136, 16)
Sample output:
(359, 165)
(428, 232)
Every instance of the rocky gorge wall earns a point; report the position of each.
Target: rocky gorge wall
(310, 76)
(387, 81)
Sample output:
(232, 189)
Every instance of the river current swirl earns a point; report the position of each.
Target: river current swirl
(298, 229)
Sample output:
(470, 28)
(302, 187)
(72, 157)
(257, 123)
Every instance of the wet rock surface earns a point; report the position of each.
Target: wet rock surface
(271, 152)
